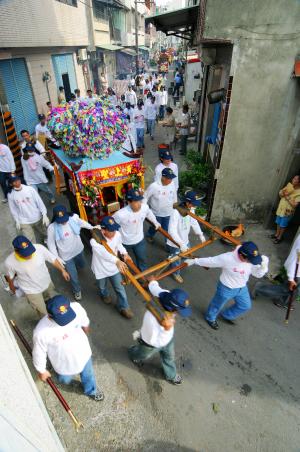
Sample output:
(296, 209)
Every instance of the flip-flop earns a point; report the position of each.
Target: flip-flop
(276, 241)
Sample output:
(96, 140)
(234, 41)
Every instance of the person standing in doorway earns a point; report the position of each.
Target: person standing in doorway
(7, 168)
(103, 83)
(290, 198)
(61, 95)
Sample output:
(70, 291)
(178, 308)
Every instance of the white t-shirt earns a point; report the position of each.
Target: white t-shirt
(38, 146)
(7, 163)
(174, 168)
(179, 228)
(161, 198)
(291, 261)
(37, 175)
(67, 347)
(43, 130)
(130, 97)
(152, 332)
(26, 205)
(71, 244)
(139, 118)
(33, 274)
(103, 262)
(132, 231)
(235, 273)
(151, 111)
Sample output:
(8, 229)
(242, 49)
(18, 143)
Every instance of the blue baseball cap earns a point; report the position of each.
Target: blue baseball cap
(60, 214)
(168, 173)
(165, 154)
(176, 300)
(191, 196)
(29, 148)
(59, 309)
(134, 195)
(250, 251)
(23, 246)
(12, 179)
(109, 224)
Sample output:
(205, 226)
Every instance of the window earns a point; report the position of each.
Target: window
(100, 11)
(69, 2)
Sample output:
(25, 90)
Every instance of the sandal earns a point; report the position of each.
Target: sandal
(276, 241)
(273, 236)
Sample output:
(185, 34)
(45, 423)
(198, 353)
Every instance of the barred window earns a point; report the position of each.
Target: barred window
(69, 2)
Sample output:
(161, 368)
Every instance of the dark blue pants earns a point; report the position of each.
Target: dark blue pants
(139, 251)
(4, 182)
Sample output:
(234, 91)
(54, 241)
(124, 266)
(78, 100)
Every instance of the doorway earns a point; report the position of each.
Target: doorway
(66, 85)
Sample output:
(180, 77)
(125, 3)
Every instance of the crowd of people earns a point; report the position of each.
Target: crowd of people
(61, 333)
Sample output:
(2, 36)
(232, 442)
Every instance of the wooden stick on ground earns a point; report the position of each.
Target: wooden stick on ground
(49, 380)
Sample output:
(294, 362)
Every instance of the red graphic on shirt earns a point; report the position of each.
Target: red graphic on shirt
(236, 270)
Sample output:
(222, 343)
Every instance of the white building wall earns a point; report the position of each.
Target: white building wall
(37, 23)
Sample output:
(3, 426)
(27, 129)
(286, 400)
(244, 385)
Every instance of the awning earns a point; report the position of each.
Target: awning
(129, 51)
(109, 47)
(146, 49)
(113, 3)
(180, 22)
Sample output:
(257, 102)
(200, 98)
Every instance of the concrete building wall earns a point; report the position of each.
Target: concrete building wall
(37, 23)
(264, 102)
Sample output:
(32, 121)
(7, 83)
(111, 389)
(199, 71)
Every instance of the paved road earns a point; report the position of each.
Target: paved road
(241, 383)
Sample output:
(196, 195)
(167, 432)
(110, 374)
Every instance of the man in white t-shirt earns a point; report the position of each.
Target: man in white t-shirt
(43, 133)
(166, 161)
(64, 241)
(33, 166)
(28, 265)
(107, 267)
(39, 148)
(27, 209)
(151, 111)
(130, 96)
(179, 228)
(157, 337)
(61, 335)
(237, 266)
(139, 122)
(7, 167)
(131, 219)
(161, 195)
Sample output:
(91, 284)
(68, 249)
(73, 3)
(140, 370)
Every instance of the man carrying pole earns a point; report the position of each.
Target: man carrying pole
(179, 229)
(237, 266)
(62, 336)
(156, 337)
(293, 273)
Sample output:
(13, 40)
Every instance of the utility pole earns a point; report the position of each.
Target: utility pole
(136, 20)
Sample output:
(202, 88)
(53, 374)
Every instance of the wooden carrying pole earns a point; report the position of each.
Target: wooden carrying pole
(173, 259)
(184, 211)
(49, 380)
(165, 234)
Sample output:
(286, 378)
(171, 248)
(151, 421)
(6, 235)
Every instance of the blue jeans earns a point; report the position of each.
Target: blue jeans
(173, 251)
(139, 251)
(71, 267)
(242, 303)
(87, 378)
(142, 351)
(44, 187)
(164, 222)
(151, 126)
(140, 138)
(161, 112)
(4, 182)
(116, 282)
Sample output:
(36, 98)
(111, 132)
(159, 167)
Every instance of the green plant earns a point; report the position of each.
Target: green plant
(201, 211)
(198, 171)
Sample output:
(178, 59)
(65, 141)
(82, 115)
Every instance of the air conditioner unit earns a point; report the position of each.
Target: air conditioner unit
(82, 54)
